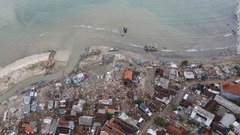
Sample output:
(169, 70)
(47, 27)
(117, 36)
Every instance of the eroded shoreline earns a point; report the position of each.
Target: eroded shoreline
(30, 66)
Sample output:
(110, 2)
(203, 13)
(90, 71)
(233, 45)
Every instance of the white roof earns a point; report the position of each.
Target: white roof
(227, 119)
(188, 75)
(47, 120)
(151, 132)
(235, 124)
(203, 112)
(140, 120)
(193, 65)
(127, 119)
(185, 96)
(173, 65)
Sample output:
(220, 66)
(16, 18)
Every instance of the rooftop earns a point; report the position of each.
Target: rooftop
(128, 74)
(188, 75)
(227, 120)
(172, 129)
(164, 83)
(203, 112)
(227, 104)
(85, 120)
(231, 87)
(29, 129)
(211, 105)
(111, 128)
(204, 131)
(128, 119)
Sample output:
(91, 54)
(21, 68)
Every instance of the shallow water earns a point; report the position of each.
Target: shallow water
(32, 26)
(28, 27)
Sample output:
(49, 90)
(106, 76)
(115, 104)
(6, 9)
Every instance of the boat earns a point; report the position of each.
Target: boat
(113, 49)
(150, 47)
(123, 31)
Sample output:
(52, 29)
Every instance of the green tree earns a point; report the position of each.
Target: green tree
(238, 117)
(231, 127)
(200, 65)
(138, 101)
(110, 115)
(174, 108)
(237, 101)
(160, 121)
(86, 106)
(238, 72)
(184, 63)
(181, 119)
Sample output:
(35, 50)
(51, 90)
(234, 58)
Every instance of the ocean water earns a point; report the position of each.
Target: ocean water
(33, 26)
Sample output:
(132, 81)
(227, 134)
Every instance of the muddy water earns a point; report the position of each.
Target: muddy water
(28, 27)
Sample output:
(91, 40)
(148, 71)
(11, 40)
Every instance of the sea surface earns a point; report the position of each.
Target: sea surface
(33, 26)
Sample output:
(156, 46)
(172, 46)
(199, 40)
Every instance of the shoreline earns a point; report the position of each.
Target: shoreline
(63, 57)
(30, 66)
(23, 63)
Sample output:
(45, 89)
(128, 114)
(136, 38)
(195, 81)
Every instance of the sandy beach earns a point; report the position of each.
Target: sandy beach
(23, 63)
(28, 67)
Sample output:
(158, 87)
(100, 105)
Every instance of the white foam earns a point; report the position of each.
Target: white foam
(99, 28)
(221, 48)
(116, 41)
(115, 31)
(136, 45)
(42, 34)
(227, 35)
(76, 26)
(192, 50)
(168, 50)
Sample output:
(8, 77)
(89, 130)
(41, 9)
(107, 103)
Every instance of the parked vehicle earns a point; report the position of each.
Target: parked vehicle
(145, 109)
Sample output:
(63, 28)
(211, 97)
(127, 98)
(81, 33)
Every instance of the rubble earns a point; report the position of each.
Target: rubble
(117, 91)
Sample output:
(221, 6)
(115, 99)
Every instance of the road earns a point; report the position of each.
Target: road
(167, 110)
(175, 101)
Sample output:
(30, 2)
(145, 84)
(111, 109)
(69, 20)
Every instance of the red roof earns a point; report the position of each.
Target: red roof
(82, 130)
(63, 123)
(104, 97)
(211, 105)
(29, 129)
(172, 129)
(231, 87)
(112, 128)
(128, 74)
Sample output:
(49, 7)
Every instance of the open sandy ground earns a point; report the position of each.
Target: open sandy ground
(28, 67)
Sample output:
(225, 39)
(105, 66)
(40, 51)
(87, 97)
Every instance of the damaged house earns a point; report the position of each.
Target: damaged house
(131, 77)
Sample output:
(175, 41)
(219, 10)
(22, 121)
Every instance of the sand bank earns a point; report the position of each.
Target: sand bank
(28, 67)
(23, 63)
